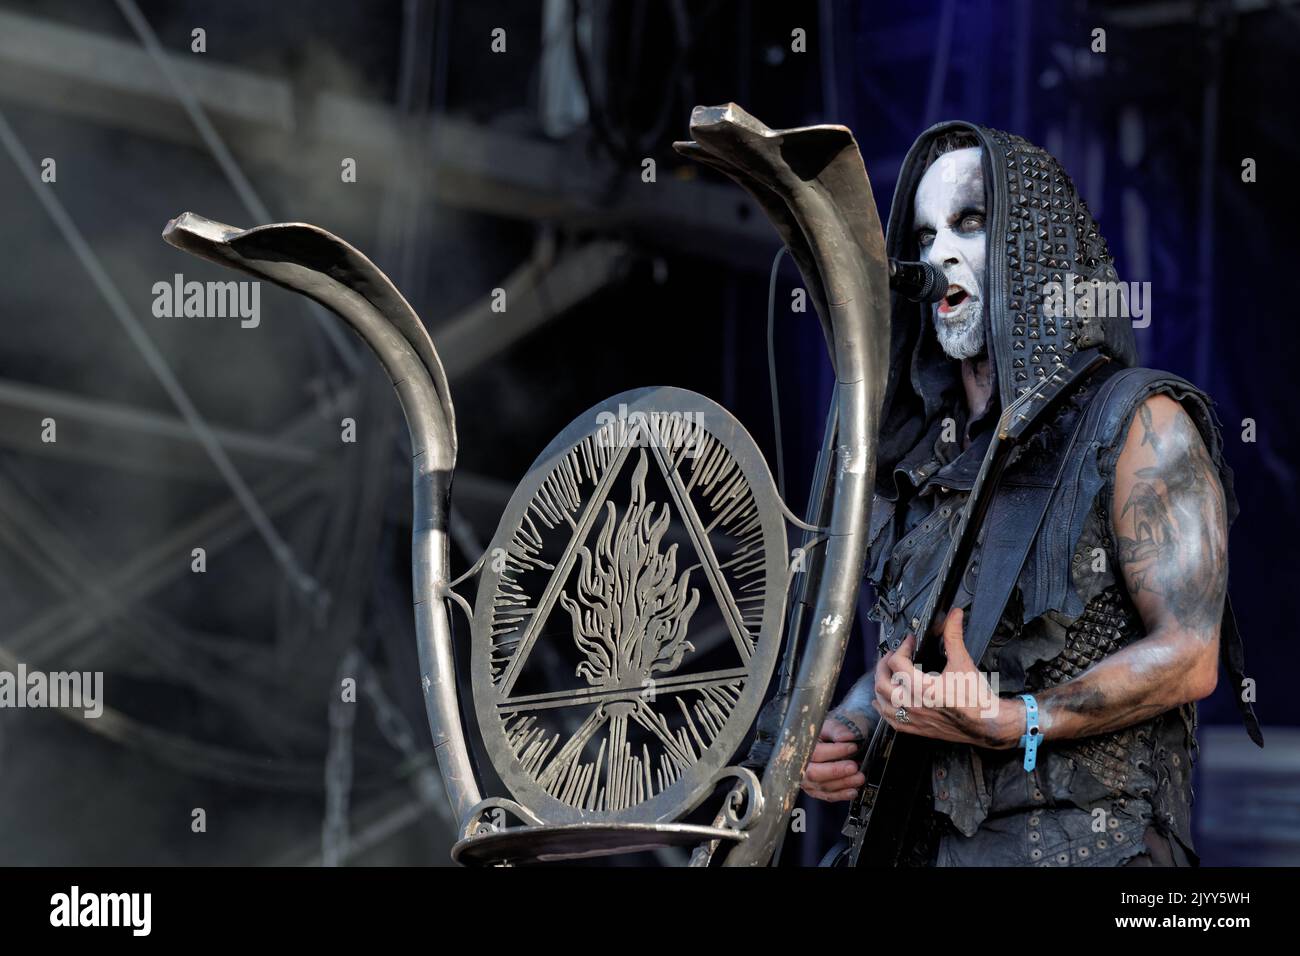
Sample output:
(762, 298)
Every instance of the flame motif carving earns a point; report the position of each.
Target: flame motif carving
(652, 595)
(632, 612)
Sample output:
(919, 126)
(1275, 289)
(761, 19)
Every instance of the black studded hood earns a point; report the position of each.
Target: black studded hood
(1038, 230)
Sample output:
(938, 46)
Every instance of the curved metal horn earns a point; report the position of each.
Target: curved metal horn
(812, 184)
(323, 267)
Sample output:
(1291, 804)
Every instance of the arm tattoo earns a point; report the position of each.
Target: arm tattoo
(1149, 434)
(1174, 544)
(843, 717)
(861, 694)
(1079, 698)
(858, 701)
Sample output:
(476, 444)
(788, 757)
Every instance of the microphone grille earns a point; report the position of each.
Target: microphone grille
(935, 283)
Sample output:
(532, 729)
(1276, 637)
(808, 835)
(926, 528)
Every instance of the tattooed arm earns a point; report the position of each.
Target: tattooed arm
(1170, 526)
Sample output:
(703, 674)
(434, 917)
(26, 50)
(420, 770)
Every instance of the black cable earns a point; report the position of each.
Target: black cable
(771, 371)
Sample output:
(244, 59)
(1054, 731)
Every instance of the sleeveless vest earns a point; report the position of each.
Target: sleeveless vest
(1044, 588)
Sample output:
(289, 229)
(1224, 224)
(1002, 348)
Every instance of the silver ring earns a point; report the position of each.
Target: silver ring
(900, 715)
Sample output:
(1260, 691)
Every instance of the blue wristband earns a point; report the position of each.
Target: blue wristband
(1033, 735)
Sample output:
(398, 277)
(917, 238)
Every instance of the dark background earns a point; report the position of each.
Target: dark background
(521, 171)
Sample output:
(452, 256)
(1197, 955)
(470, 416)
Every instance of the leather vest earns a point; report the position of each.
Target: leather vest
(1047, 547)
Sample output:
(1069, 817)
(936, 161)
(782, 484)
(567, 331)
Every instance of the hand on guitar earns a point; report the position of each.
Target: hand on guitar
(833, 773)
(958, 705)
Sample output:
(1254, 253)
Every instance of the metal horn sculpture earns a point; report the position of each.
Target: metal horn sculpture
(585, 542)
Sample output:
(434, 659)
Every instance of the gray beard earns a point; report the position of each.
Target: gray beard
(965, 340)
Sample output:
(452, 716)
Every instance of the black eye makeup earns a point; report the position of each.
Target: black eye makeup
(966, 221)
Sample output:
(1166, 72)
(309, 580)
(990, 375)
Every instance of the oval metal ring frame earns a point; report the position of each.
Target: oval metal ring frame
(629, 601)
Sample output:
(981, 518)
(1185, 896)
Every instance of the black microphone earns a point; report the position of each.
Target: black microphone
(918, 281)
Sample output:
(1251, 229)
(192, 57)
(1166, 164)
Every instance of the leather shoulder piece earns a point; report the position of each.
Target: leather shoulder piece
(1087, 469)
(1019, 510)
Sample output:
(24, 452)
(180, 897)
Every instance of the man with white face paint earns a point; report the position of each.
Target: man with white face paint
(1098, 587)
(949, 216)
(949, 219)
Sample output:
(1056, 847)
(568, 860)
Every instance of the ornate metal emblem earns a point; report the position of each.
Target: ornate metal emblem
(643, 556)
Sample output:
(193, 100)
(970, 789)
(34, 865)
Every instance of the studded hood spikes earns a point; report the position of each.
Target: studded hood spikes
(1039, 231)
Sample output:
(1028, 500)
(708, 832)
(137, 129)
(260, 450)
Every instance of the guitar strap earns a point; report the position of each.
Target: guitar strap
(1011, 529)
(1017, 514)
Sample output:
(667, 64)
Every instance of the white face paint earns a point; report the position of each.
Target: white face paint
(949, 221)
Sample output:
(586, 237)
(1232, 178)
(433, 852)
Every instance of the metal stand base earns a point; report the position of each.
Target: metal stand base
(576, 841)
